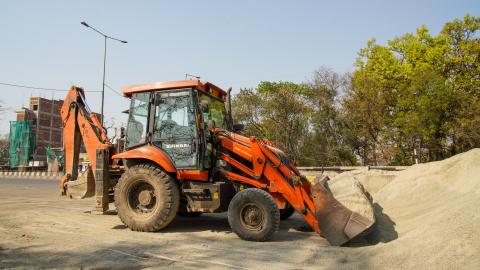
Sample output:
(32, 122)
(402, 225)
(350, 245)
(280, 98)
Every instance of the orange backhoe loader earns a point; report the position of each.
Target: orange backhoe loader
(185, 156)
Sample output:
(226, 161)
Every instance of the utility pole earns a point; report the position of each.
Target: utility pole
(104, 60)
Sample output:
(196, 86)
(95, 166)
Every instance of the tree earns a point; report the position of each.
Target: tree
(3, 141)
(301, 119)
(277, 111)
(424, 112)
(425, 88)
(417, 92)
(3, 150)
(326, 144)
(246, 110)
(462, 70)
(365, 107)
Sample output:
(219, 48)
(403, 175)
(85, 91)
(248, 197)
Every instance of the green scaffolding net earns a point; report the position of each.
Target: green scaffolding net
(21, 144)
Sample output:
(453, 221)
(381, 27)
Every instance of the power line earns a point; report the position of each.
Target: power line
(40, 88)
(115, 91)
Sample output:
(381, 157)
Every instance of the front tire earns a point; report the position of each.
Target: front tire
(146, 198)
(253, 215)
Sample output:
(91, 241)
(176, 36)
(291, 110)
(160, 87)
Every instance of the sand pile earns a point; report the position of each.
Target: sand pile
(428, 216)
(352, 194)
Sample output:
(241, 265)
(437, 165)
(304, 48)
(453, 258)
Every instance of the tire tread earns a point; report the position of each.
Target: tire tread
(171, 202)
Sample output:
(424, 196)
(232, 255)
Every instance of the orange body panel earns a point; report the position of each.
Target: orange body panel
(192, 175)
(151, 153)
(90, 140)
(159, 157)
(71, 140)
(243, 150)
(203, 86)
(239, 178)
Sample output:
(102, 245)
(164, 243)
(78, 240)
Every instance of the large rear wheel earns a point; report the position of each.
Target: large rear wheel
(146, 198)
(253, 215)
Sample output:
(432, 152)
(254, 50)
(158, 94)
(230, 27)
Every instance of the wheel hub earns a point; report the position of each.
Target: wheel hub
(142, 198)
(252, 217)
(145, 197)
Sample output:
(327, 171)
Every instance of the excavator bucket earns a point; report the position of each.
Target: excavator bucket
(337, 223)
(83, 187)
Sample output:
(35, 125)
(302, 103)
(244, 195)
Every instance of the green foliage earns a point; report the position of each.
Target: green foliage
(301, 119)
(3, 150)
(418, 92)
(277, 111)
(246, 110)
(365, 108)
(326, 143)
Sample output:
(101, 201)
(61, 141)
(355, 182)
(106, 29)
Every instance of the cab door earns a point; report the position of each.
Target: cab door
(174, 129)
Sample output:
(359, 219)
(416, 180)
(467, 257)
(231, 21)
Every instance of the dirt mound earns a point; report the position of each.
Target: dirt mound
(427, 215)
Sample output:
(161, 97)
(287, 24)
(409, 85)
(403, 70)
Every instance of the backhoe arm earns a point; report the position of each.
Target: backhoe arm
(81, 125)
(263, 166)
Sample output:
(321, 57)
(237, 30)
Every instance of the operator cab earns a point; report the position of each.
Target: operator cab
(176, 117)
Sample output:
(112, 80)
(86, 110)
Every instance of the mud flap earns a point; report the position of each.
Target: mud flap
(83, 187)
(337, 223)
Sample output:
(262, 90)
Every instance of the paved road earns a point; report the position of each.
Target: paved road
(40, 229)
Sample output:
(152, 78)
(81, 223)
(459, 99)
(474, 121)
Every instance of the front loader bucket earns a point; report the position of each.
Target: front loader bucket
(337, 223)
(83, 187)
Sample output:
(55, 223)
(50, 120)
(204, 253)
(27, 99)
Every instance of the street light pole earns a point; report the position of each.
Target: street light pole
(103, 83)
(104, 60)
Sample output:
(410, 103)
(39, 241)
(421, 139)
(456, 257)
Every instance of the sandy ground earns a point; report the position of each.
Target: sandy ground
(39, 229)
(427, 218)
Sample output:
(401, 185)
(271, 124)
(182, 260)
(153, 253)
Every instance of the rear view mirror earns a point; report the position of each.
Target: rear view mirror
(238, 127)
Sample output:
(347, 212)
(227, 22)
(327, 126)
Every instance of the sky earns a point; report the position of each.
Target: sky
(229, 43)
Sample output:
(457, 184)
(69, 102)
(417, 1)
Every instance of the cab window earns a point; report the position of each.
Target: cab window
(138, 119)
(213, 109)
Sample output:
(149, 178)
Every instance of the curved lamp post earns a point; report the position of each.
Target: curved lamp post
(104, 57)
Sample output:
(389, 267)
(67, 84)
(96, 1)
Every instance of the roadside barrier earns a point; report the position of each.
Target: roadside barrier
(30, 175)
(308, 171)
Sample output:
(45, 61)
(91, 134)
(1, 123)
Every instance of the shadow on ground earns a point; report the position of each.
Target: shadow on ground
(133, 255)
(290, 229)
(383, 231)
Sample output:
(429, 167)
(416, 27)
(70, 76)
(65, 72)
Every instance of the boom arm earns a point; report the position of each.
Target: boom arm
(265, 167)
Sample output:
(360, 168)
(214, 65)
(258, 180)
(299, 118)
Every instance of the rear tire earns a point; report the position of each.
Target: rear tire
(146, 198)
(253, 215)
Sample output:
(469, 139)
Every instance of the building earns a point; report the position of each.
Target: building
(37, 127)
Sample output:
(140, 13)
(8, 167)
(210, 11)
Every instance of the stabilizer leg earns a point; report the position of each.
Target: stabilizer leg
(102, 182)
